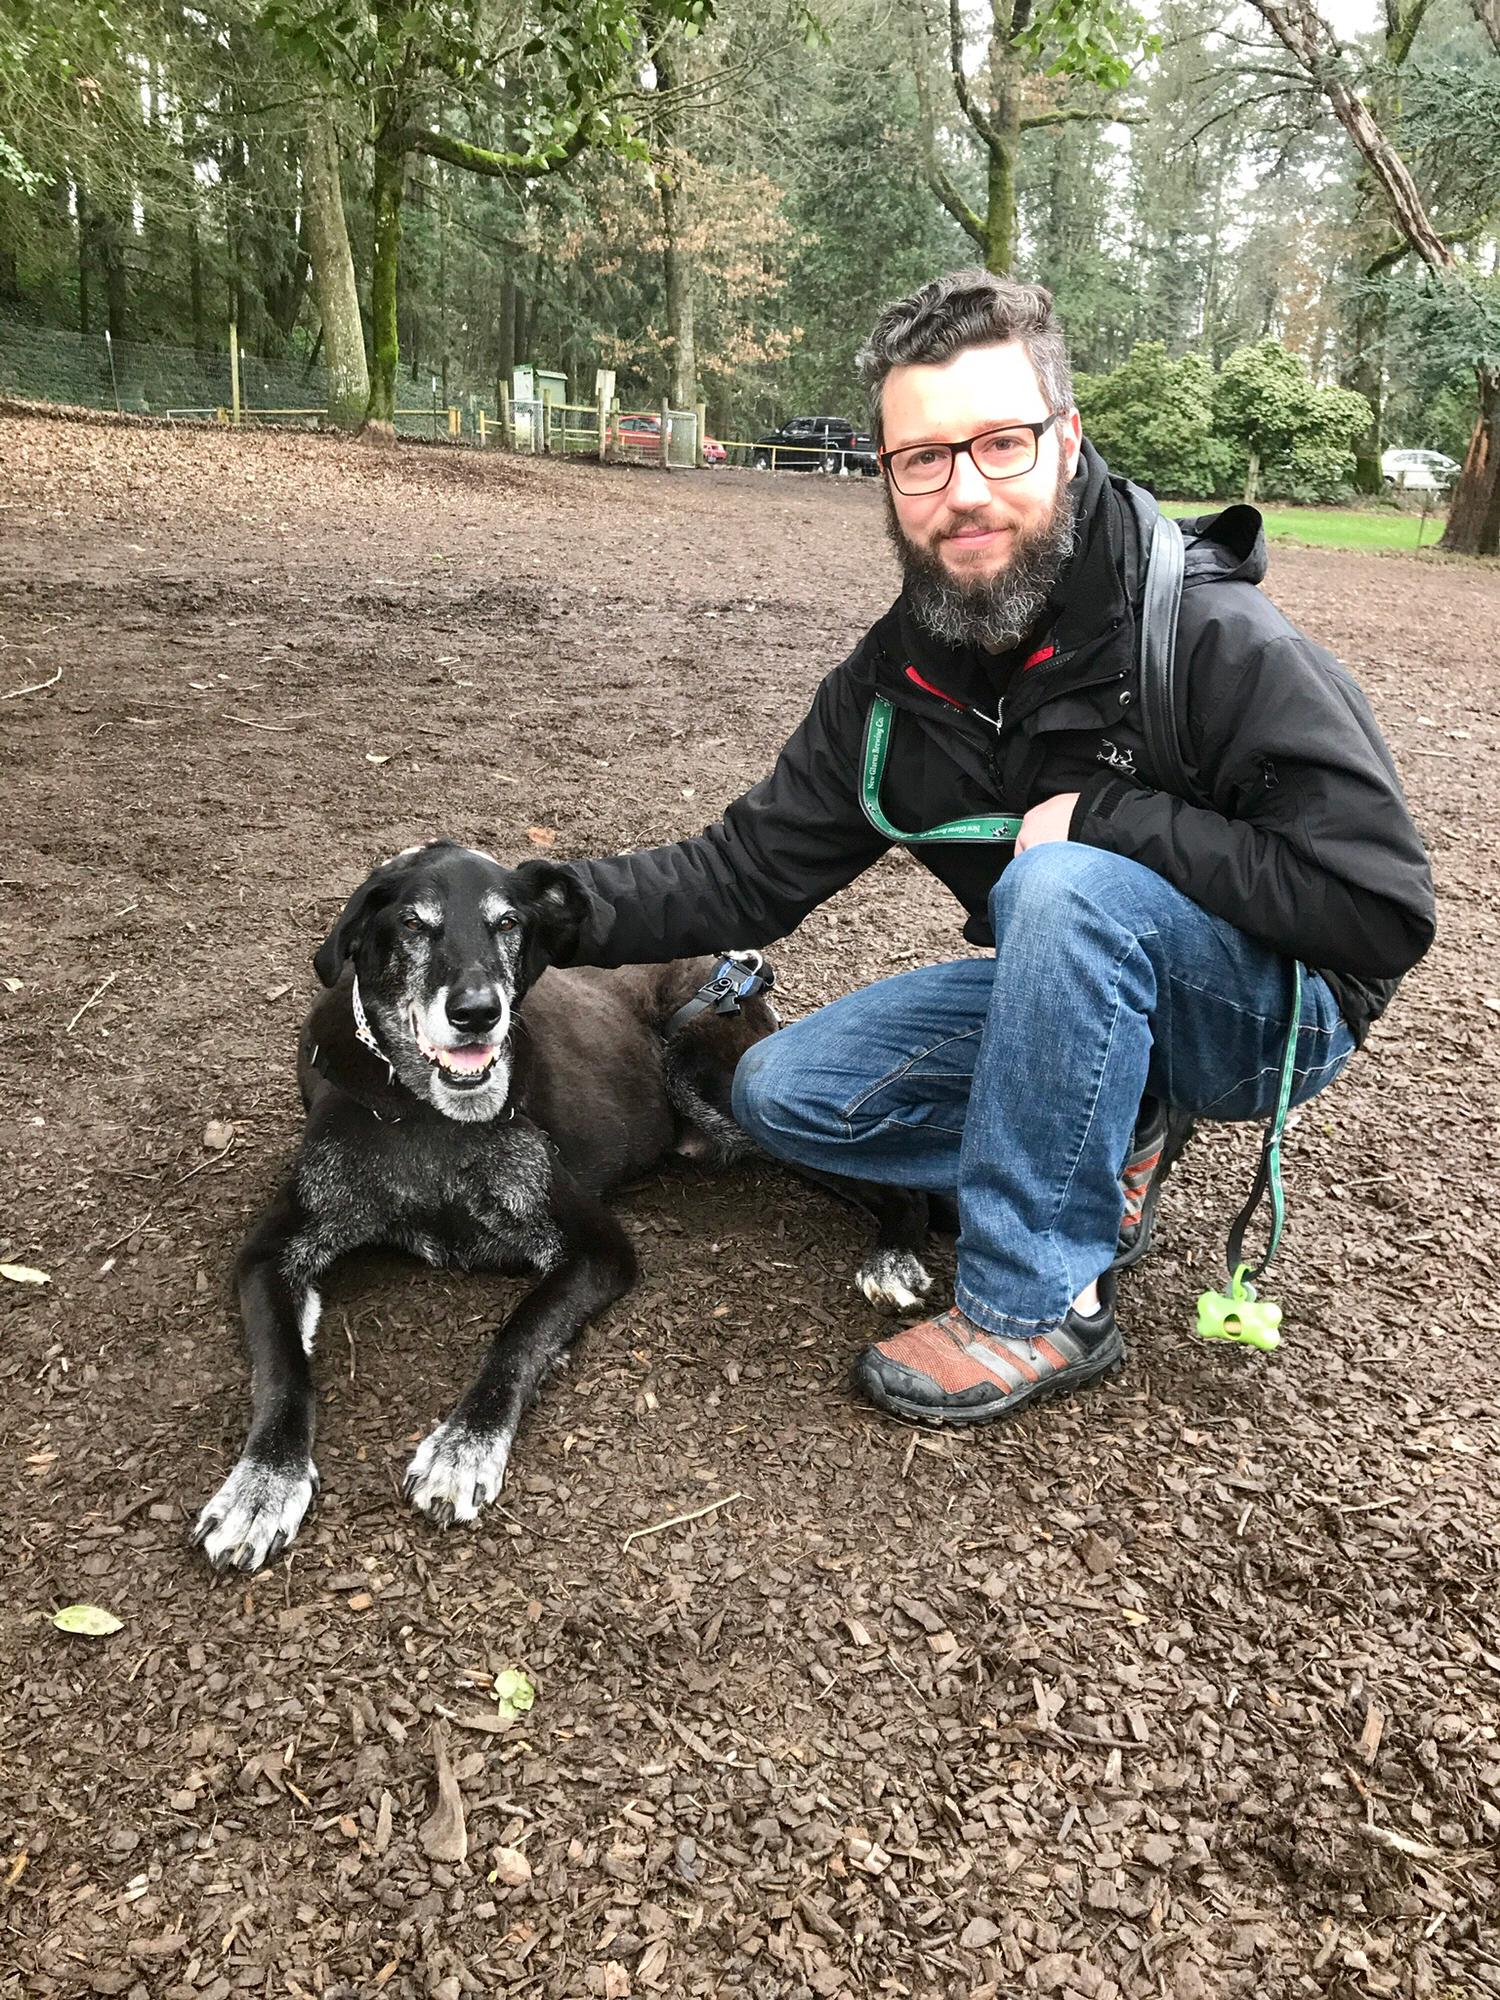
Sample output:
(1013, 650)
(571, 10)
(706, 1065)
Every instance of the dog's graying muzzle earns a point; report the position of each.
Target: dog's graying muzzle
(738, 977)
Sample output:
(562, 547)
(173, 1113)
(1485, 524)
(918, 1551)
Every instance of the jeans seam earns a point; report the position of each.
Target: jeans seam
(1097, 1085)
(902, 1068)
(1300, 1077)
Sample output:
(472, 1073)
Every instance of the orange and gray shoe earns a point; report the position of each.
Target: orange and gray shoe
(948, 1370)
(1161, 1132)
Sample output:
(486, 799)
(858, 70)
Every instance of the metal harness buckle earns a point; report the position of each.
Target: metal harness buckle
(738, 977)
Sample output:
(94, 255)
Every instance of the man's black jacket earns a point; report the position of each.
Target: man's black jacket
(1297, 831)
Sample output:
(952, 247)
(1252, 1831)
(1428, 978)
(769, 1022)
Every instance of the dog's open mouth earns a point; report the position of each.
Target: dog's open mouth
(466, 1065)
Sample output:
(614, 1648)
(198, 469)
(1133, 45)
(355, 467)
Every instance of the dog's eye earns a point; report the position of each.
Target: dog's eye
(508, 922)
(412, 922)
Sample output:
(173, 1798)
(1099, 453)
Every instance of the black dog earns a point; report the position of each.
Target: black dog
(444, 1120)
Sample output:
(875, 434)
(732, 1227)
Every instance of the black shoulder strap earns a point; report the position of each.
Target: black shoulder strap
(1158, 644)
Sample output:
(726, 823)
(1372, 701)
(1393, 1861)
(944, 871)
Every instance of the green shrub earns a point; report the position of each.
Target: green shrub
(1296, 441)
(1153, 421)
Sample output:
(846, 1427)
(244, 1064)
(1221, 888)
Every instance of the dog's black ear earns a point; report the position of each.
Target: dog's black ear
(557, 905)
(342, 942)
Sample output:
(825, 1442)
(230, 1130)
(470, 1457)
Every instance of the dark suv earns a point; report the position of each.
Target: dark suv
(815, 444)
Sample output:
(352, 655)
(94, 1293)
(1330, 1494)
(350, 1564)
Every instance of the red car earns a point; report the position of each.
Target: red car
(642, 434)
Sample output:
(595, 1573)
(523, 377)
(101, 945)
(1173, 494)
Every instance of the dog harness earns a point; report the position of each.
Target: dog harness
(738, 976)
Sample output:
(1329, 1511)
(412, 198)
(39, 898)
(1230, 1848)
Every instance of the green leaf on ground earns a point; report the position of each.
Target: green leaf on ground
(514, 1692)
(88, 1619)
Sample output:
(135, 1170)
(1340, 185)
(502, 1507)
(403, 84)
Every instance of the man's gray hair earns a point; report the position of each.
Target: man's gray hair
(967, 309)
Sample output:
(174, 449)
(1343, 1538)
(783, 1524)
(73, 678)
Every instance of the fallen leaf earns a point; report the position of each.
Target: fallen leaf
(88, 1619)
(514, 1693)
(24, 1274)
(218, 1135)
(542, 836)
(11, 985)
(379, 757)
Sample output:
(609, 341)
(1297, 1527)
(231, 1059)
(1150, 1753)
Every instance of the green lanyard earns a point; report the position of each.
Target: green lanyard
(982, 827)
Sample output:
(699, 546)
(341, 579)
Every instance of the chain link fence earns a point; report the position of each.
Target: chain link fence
(91, 371)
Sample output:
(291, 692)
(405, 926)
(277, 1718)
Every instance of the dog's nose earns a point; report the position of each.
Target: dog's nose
(474, 1009)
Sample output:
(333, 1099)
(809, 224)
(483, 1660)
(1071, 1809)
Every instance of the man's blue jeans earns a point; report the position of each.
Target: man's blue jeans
(1015, 1081)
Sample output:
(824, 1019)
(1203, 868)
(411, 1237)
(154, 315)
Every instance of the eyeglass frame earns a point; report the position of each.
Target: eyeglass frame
(1038, 431)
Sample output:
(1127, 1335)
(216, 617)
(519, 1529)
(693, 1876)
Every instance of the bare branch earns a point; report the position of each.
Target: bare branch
(967, 102)
(1309, 38)
(1079, 114)
(1487, 14)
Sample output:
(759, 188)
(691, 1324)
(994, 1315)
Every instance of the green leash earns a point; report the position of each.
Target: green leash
(1239, 1315)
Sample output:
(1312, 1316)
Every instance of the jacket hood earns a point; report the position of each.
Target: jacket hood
(1224, 548)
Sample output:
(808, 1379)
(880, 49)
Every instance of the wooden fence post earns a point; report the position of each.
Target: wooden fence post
(700, 413)
(234, 373)
(666, 435)
(507, 433)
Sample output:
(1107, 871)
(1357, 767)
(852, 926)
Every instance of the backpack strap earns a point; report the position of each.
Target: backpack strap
(1160, 600)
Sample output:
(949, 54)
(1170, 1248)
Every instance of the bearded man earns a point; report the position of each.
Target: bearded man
(1139, 945)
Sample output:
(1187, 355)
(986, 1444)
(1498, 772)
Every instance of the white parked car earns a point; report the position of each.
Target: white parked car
(1420, 471)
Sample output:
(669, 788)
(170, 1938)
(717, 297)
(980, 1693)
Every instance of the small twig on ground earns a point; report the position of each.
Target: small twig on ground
(283, 728)
(680, 1520)
(104, 984)
(211, 1161)
(34, 687)
(125, 1236)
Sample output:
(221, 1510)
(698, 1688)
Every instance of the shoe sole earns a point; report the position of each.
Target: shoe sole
(1076, 1377)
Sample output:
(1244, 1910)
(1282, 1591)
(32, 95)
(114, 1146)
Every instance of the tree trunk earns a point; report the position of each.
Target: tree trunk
(677, 271)
(676, 261)
(1004, 148)
(333, 275)
(1367, 375)
(390, 176)
(505, 362)
(1474, 514)
(82, 203)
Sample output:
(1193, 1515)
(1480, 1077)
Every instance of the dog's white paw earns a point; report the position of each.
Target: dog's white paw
(894, 1278)
(455, 1472)
(255, 1513)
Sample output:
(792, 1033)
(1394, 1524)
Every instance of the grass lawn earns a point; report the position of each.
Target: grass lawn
(1335, 527)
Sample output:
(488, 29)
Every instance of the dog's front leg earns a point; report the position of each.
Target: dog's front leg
(460, 1467)
(260, 1506)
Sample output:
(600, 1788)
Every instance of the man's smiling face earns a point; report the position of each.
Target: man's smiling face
(981, 554)
(974, 523)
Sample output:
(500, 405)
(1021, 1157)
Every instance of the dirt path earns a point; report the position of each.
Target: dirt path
(1190, 1687)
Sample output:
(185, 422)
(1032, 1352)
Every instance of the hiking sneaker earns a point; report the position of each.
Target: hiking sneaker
(1161, 1132)
(949, 1371)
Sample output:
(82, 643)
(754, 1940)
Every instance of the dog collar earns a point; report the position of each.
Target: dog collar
(363, 1032)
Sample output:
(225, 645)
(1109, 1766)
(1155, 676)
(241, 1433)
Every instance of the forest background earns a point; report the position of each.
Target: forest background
(1274, 235)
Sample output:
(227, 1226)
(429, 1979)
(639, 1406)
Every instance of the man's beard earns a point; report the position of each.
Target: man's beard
(994, 612)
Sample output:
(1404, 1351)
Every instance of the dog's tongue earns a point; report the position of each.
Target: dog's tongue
(472, 1058)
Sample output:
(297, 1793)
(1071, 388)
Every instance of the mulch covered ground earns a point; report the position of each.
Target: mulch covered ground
(1190, 1686)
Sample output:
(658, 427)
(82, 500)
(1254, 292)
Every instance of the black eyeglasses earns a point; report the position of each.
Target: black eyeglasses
(1007, 452)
